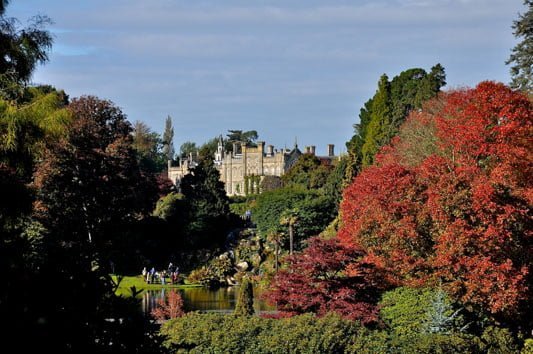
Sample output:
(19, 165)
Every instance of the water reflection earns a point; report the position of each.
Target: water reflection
(204, 299)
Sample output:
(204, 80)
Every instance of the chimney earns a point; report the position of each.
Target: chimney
(331, 148)
(270, 150)
(312, 150)
(307, 149)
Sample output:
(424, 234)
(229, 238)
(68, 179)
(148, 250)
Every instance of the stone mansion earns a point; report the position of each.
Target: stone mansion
(243, 168)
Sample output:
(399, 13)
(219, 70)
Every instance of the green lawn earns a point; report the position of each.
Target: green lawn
(138, 282)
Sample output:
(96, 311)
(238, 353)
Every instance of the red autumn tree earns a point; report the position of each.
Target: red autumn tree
(168, 307)
(459, 210)
(317, 281)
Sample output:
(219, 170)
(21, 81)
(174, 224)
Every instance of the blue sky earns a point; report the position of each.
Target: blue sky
(284, 68)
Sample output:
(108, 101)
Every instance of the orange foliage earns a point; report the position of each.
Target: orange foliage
(169, 307)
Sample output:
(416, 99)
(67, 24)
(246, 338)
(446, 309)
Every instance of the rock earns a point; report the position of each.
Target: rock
(256, 260)
(242, 266)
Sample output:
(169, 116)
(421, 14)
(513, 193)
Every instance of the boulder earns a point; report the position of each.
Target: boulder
(242, 266)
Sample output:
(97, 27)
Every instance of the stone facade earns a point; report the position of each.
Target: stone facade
(242, 169)
(176, 173)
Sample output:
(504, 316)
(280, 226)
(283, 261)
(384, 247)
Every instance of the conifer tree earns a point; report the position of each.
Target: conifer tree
(380, 121)
(245, 300)
(382, 115)
(522, 53)
(168, 139)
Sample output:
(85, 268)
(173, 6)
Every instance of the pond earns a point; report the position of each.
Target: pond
(204, 299)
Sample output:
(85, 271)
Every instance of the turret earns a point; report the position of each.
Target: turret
(219, 154)
(331, 151)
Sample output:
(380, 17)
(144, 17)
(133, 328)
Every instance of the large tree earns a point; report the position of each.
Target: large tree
(383, 114)
(458, 212)
(21, 50)
(89, 187)
(94, 166)
(207, 206)
(521, 58)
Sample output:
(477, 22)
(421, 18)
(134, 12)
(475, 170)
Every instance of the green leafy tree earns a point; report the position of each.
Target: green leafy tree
(88, 185)
(308, 171)
(271, 205)
(22, 50)
(270, 183)
(247, 138)
(207, 150)
(148, 147)
(94, 167)
(521, 57)
(188, 148)
(26, 129)
(336, 182)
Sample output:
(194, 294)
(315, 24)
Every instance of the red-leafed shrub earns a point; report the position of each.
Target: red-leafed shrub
(168, 307)
(318, 281)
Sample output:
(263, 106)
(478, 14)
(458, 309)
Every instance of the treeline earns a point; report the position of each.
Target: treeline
(78, 189)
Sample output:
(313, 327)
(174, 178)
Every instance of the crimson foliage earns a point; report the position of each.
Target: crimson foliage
(317, 281)
(461, 213)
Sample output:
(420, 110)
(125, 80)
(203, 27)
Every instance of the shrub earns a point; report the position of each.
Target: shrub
(169, 307)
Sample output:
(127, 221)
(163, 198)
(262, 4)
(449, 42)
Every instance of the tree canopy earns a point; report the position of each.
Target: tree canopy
(383, 114)
(22, 50)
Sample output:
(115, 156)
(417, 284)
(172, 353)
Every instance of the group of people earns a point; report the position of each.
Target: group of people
(155, 277)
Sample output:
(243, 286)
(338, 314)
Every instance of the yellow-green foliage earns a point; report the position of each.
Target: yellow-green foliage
(43, 116)
(200, 276)
(528, 346)
(245, 299)
(217, 333)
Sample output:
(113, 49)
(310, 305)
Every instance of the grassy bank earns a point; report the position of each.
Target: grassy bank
(127, 282)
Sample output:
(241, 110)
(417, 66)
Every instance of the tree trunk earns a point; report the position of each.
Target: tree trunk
(291, 238)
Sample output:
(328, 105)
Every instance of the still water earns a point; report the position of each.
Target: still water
(204, 299)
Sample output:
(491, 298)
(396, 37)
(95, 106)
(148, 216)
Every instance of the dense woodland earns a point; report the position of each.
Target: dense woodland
(418, 240)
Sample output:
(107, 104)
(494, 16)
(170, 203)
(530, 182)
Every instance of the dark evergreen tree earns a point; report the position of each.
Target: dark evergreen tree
(245, 300)
(522, 54)
(207, 205)
(382, 115)
(379, 126)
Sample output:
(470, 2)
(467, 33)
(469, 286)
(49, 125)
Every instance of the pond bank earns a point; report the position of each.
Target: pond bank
(127, 282)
